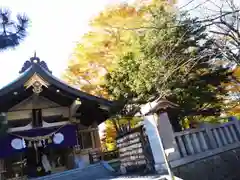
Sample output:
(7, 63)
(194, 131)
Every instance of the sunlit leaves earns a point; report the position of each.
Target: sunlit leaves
(169, 61)
(97, 51)
(110, 133)
(119, 16)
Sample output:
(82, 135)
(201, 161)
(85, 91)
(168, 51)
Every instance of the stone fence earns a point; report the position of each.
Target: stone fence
(212, 152)
(195, 141)
(194, 144)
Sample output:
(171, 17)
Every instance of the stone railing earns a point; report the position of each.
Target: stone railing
(194, 141)
(212, 152)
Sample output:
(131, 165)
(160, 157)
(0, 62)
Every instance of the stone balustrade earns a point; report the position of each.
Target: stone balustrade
(195, 141)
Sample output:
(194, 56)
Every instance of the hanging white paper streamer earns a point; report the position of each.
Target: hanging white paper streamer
(29, 144)
(23, 143)
(17, 143)
(35, 145)
(39, 144)
(43, 143)
(58, 138)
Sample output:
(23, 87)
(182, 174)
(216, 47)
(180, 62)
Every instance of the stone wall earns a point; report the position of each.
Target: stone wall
(223, 166)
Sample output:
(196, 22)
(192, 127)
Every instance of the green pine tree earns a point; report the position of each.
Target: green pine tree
(11, 32)
(174, 62)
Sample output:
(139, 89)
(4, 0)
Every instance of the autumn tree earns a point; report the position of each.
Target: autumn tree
(95, 54)
(232, 106)
(173, 62)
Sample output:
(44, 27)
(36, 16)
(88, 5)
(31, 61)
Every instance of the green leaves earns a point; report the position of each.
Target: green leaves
(152, 50)
(174, 63)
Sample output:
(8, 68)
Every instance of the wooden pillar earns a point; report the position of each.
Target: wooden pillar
(70, 158)
(2, 168)
(74, 107)
(96, 136)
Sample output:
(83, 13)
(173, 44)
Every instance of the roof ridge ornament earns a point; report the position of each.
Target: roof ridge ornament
(34, 60)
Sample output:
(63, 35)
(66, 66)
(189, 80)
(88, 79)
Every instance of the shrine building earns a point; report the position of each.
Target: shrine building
(44, 115)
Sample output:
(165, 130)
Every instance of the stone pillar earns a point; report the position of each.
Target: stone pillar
(155, 143)
(160, 135)
(167, 135)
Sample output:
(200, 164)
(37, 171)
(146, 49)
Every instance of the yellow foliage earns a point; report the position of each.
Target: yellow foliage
(95, 54)
(233, 87)
(110, 134)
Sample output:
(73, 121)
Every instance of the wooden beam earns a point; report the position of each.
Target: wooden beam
(74, 107)
(107, 108)
(77, 114)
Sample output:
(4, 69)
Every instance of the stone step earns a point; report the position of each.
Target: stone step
(154, 177)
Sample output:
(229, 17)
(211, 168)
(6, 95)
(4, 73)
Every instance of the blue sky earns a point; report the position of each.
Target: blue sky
(56, 25)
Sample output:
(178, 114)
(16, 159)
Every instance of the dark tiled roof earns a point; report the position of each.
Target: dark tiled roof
(92, 172)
